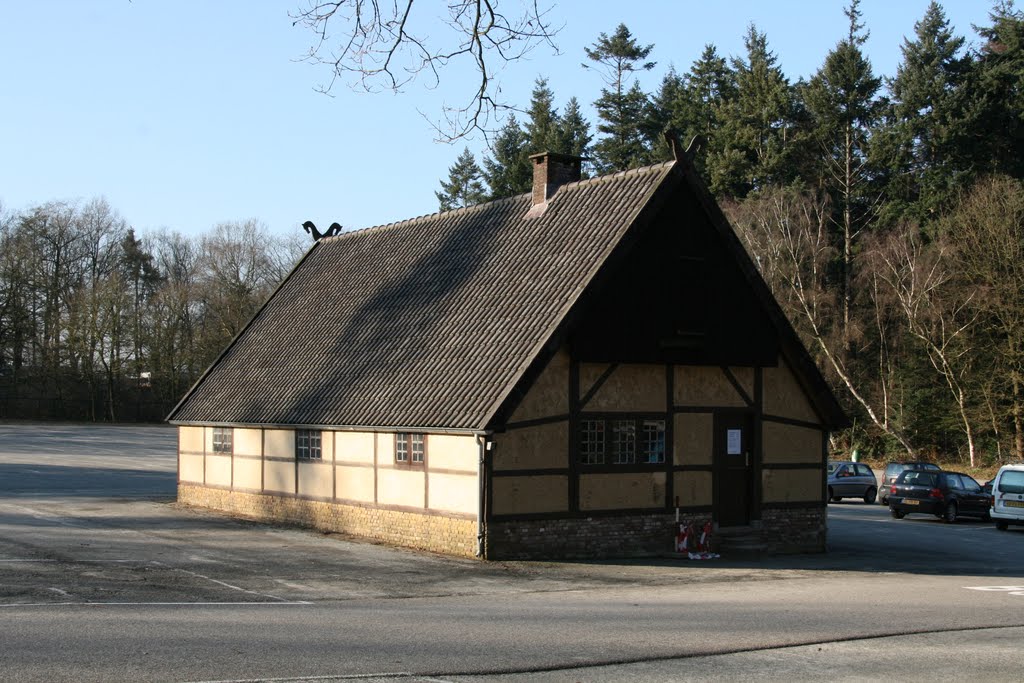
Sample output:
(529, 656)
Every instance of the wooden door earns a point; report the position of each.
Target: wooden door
(732, 468)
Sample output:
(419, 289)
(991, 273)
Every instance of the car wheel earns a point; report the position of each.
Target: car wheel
(869, 495)
(949, 516)
(883, 500)
(830, 496)
(897, 514)
(1002, 525)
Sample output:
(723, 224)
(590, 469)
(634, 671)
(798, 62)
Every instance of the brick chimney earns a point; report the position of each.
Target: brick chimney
(550, 172)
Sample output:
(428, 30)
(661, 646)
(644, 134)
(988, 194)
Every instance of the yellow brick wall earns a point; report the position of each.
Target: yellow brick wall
(436, 533)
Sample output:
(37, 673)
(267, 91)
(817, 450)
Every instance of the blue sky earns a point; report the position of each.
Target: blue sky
(187, 113)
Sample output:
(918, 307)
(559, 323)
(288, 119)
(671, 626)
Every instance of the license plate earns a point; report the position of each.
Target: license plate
(908, 501)
(1013, 503)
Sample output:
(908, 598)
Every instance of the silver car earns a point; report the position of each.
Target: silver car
(851, 480)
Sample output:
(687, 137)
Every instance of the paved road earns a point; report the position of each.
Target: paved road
(103, 577)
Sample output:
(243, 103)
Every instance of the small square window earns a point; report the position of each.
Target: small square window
(410, 449)
(308, 444)
(222, 439)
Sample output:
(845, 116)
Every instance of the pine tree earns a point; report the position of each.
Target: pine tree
(842, 101)
(666, 109)
(542, 125)
(573, 131)
(758, 135)
(507, 171)
(920, 146)
(997, 124)
(621, 106)
(464, 187)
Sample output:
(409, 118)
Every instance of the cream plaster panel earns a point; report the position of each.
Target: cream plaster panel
(218, 470)
(401, 487)
(190, 439)
(386, 448)
(279, 476)
(630, 387)
(279, 443)
(693, 488)
(446, 452)
(745, 376)
(693, 437)
(355, 446)
(208, 439)
(247, 441)
(524, 495)
(705, 386)
(783, 395)
(549, 395)
(315, 480)
(791, 486)
(190, 468)
(621, 491)
(454, 493)
(532, 447)
(355, 483)
(788, 443)
(327, 446)
(247, 474)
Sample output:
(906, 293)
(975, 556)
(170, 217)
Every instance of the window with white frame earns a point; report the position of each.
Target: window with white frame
(592, 442)
(308, 444)
(410, 449)
(223, 441)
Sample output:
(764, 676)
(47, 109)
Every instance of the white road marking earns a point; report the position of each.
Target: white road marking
(221, 583)
(1010, 590)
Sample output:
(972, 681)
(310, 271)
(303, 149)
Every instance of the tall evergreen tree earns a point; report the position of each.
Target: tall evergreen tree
(841, 99)
(997, 126)
(507, 171)
(666, 109)
(573, 131)
(758, 127)
(542, 124)
(710, 88)
(621, 105)
(464, 186)
(921, 144)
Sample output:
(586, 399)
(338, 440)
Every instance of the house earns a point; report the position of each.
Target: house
(568, 373)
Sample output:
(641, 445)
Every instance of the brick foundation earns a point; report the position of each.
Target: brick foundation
(798, 530)
(436, 533)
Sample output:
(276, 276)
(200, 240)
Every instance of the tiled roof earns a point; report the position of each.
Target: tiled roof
(426, 323)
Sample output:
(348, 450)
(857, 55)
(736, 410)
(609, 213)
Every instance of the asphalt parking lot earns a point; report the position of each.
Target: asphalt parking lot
(99, 563)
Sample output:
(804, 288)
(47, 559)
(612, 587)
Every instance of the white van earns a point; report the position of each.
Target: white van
(1008, 496)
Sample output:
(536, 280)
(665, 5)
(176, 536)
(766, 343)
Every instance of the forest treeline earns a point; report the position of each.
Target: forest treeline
(886, 214)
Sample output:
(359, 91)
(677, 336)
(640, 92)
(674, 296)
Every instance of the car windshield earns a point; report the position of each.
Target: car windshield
(1012, 481)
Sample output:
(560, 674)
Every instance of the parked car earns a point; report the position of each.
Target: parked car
(851, 480)
(947, 495)
(893, 469)
(1008, 496)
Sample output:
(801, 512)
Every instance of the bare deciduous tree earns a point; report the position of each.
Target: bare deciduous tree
(382, 45)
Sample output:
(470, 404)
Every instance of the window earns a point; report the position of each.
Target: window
(628, 441)
(308, 444)
(592, 442)
(410, 449)
(222, 439)
(652, 448)
(623, 442)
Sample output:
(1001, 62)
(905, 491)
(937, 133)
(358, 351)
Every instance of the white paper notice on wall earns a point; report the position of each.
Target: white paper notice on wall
(734, 441)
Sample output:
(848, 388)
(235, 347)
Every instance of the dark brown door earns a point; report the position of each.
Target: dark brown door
(732, 469)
